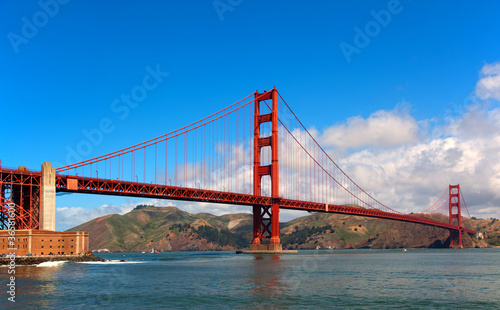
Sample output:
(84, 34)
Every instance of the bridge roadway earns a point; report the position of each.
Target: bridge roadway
(78, 184)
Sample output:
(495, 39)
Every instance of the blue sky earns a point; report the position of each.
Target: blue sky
(423, 80)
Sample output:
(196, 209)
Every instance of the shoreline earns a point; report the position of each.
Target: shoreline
(35, 260)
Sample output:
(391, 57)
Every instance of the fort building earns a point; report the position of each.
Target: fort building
(28, 215)
(44, 242)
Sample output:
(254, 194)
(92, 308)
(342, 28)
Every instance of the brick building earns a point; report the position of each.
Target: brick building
(44, 242)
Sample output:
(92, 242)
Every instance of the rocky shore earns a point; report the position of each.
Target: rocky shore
(35, 260)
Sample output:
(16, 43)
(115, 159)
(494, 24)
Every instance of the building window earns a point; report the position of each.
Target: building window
(50, 240)
(41, 247)
(71, 246)
(42, 240)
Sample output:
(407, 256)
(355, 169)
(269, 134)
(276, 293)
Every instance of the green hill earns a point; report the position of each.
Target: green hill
(167, 229)
(171, 229)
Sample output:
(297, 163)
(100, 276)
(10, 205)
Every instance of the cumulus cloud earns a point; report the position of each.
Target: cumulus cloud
(488, 86)
(411, 177)
(398, 160)
(407, 164)
(69, 217)
(478, 120)
(381, 129)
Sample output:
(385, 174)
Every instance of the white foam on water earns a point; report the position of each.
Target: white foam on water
(111, 262)
(51, 264)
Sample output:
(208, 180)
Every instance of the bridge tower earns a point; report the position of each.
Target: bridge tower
(455, 213)
(266, 218)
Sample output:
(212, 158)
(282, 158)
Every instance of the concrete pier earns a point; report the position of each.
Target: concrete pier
(266, 249)
(48, 198)
(267, 252)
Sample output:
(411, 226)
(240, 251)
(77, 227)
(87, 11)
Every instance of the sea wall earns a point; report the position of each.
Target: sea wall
(35, 260)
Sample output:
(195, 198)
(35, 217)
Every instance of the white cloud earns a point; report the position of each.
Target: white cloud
(488, 86)
(477, 121)
(69, 217)
(487, 212)
(380, 129)
(411, 177)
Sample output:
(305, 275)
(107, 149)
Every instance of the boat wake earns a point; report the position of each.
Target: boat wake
(51, 264)
(112, 262)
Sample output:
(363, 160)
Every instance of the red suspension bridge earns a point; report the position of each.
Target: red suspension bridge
(255, 152)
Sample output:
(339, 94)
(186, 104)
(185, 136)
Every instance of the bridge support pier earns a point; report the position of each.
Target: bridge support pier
(48, 198)
(455, 213)
(266, 218)
(266, 229)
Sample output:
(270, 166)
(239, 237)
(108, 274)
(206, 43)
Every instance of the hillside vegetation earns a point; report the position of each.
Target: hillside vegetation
(171, 229)
(167, 229)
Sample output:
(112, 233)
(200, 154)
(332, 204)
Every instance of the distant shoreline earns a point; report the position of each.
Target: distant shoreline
(311, 249)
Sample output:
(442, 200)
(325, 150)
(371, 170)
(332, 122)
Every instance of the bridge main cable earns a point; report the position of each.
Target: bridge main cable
(332, 161)
(152, 141)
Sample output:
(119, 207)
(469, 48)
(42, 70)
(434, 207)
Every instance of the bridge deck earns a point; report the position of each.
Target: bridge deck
(78, 184)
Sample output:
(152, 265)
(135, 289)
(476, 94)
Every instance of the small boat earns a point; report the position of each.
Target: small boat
(154, 251)
(404, 250)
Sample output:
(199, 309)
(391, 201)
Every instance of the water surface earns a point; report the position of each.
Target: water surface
(355, 279)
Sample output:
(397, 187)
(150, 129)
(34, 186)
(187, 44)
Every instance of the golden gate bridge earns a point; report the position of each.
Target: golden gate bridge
(255, 152)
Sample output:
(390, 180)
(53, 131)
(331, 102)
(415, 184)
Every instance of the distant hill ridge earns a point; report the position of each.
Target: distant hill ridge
(171, 229)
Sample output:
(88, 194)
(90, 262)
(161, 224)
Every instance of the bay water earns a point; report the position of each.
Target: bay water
(333, 279)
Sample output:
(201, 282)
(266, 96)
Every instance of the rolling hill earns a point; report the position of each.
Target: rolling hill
(171, 229)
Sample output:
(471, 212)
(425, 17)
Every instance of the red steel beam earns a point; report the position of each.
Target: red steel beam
(24, 188)
(321, 207)
(79, 184)
(135, 189)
